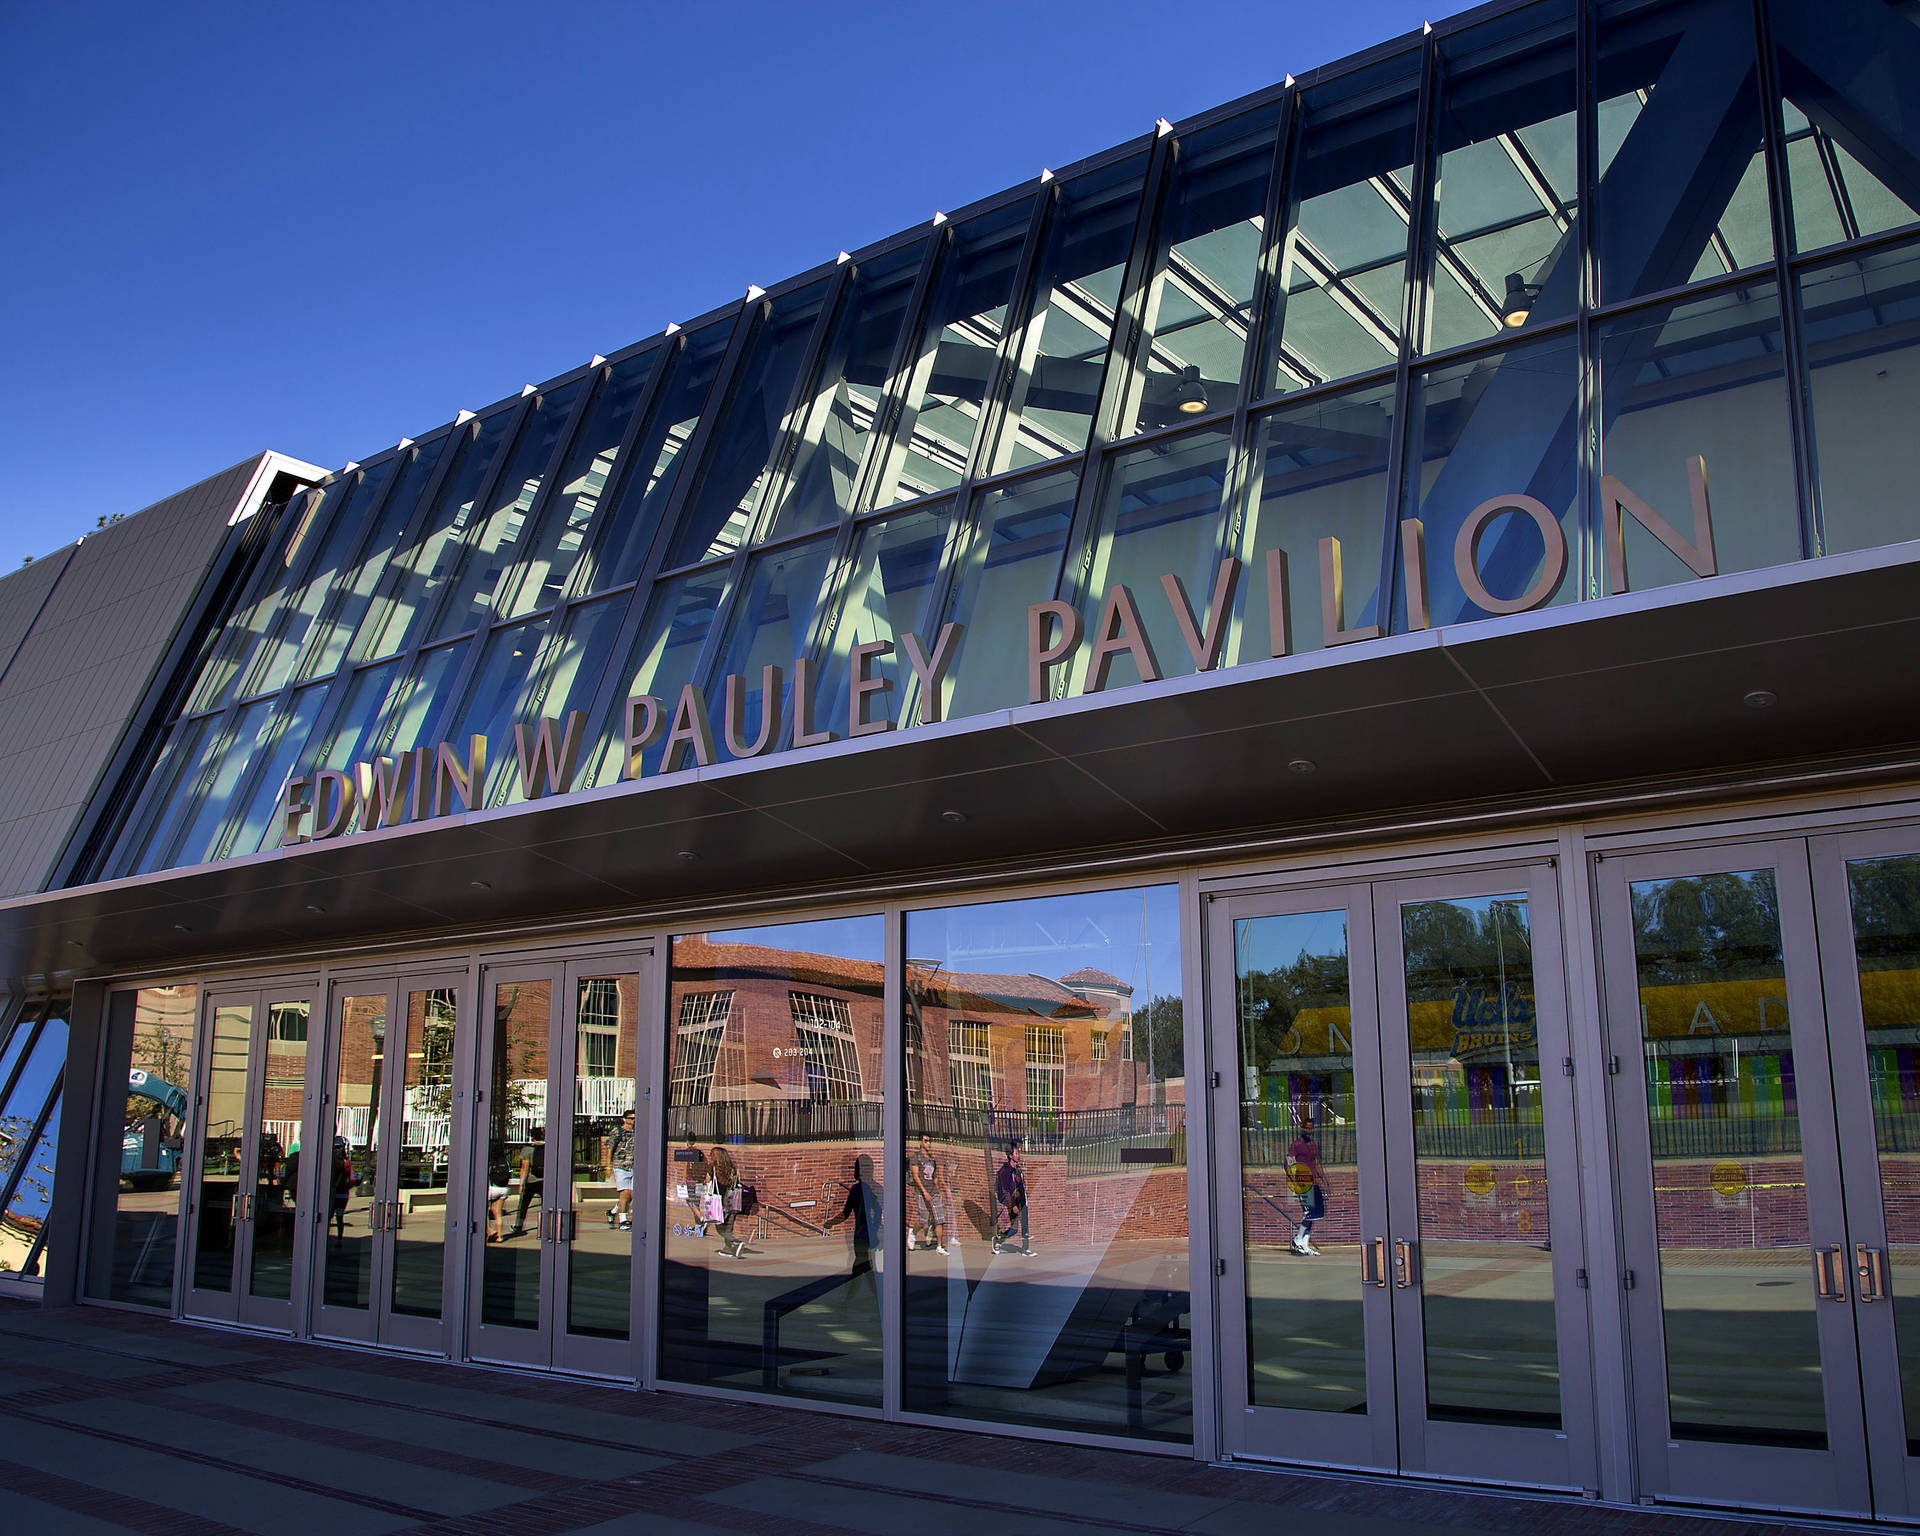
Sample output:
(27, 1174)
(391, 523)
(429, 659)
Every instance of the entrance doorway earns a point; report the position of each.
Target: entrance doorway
(1764, 1003)
(555, 1136)
(243, 1182)
(1401, 1292)
(384, 1220)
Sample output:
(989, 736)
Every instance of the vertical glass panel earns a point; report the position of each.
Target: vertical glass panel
(1704, 380)
(1199, 302)
(205, 810)
(245, 635)
(280, 752)
(632, 522)
(29, 1133)
(771, 1242)
(562, 532)
(771, 623)
(420, 571)
(1505, 425)
(606, 1052)
(494, 693)
(1076, 297)
(1480, 1162)
(890, 589)
(570, 679)
(679, 616)
(1729, 1183)
(1505, 250)
(191, 744)
(1319, 472)
(353, 1150)
(221, 1147)
(1851, 110)
(1343, 256)
(1299, 1162)
(953, 365)
(1863, 364)
(477, 564)
(146, 1213)
(719, 514)
(385, 711)
(516, 1154)
(347, 515)
(276, 1168)
(1159, 514)
(420, 1179)
(1886, 941)
(837, 420)
(1049, 1100)
(1683, 183)
(1020, 534)
(337, 627)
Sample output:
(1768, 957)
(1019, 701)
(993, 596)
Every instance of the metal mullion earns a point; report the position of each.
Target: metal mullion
(1269, 298)
(1793, 340)
(296, 576)
(482, 499)
(713, 648)
(563, 445)
(221, 742)
(244, 787)
(1005, 369)
(1502, 340)
(1586, 55)
(900, 369)
(1417, 288)
(747, 326)
(442, 714)
(1127, 325)
(26, 1051)
(26, 1147)
(399, 561)
(786, 448)
(1863, 245)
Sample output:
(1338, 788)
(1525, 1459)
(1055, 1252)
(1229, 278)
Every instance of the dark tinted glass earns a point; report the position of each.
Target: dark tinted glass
(493, 694)
(1343, 256)
(771, 624)
(679, 617)
(148, 1067)
(1683, 187)
(837, 417)
(245, 636)
(895, 568)
(282, 757)
(569, 676)
(719, 515)
(1069, 322)
(204, 810)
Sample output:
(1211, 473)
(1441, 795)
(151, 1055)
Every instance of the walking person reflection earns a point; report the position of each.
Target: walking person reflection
(340, 1180)
(1309, 1183)
(533, 1177)
(930, 1197)
(725, 1174)
(1010, 1188)
(620, 1170)
(862, 1207)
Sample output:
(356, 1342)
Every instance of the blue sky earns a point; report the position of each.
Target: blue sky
(319, 228)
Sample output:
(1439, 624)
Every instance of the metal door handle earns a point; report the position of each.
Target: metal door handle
(1373, 1262)
(1830, 1273)
(546, 1226)
(1870, 1268)
(1403, 1267)
(396, 1219)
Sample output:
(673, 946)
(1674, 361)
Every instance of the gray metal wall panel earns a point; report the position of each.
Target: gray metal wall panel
(83, 649)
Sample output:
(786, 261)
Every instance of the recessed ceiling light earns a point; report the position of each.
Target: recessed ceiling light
(956, 817)
(314, 906)
(1759, 698)
(181, 928)
(1302, 765)
(481, 885)
(688, 856)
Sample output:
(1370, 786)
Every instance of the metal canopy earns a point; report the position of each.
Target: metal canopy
(1649, 685)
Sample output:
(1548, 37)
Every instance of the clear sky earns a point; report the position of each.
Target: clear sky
(321, 227)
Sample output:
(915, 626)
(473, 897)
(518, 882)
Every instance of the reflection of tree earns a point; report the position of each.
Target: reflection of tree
(161, 1053)
(1271, 1000)
(1708, 927)
(1160, 1023)
(1886, 911)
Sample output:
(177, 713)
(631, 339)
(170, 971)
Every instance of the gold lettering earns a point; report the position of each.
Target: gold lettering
(736, 723)
(1413, 570)
(453, 779)
(804, 733)
(1119, 629)
(1615, 498)
(644, 725)
(546, 763)
(690, 728)
(383, 785)
(862, 683)
(1279, 605)
(331, 821)
(1041, 654)
(1205, 646)
(1466, 553)
(293, 812)
(1333, 600)
(930, 671)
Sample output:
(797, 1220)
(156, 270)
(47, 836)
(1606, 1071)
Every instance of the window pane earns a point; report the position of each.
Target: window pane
(1343, 261)
(1319, 471)
(148, 829)
(1063, 345)
(606, 1060)
(1500, 425)
(150, 1082)
(1056, 1183)
(421, 570)
(1199, 303)
(771, 623)
(1847, 73)
(656, 459)
(719, 515)
(947, 388)
(1703, 379)
(839, 417)
(1863, 345)
(23, 1233)
(1683, 186)
(481, 559)
(204, 809)
(288, 739)
(679, 616)
(1505, 250)
(1159, 514)
(494, 694)
(244, 638)
(895, 570)
(331, 637)
(386, 712)
(771, 1239)
(557, 542)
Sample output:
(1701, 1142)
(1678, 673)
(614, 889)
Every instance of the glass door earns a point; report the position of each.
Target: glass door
(383, 1219)
(243, 1206)
(1490, 1326)
(1746, 1376)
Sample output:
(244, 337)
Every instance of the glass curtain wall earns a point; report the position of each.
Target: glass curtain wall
(1565, 326)
(33, 1064)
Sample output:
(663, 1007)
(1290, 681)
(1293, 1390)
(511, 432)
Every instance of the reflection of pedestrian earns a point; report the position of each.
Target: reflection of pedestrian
(533, 1177)
(620, 1166)
(1308, 1182)
(1010, 1188)
(863, 1207)
(721, 1211)
(341, 1184)
(930, 1197)
(496, 1194)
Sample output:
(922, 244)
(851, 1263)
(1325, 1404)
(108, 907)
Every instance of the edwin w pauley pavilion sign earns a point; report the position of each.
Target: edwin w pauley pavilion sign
(433, 781)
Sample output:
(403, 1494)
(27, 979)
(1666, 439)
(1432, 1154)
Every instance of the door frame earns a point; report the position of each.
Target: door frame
(323, 1321)
(205, 1304)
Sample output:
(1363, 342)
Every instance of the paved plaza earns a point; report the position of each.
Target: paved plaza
(117, 1422)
